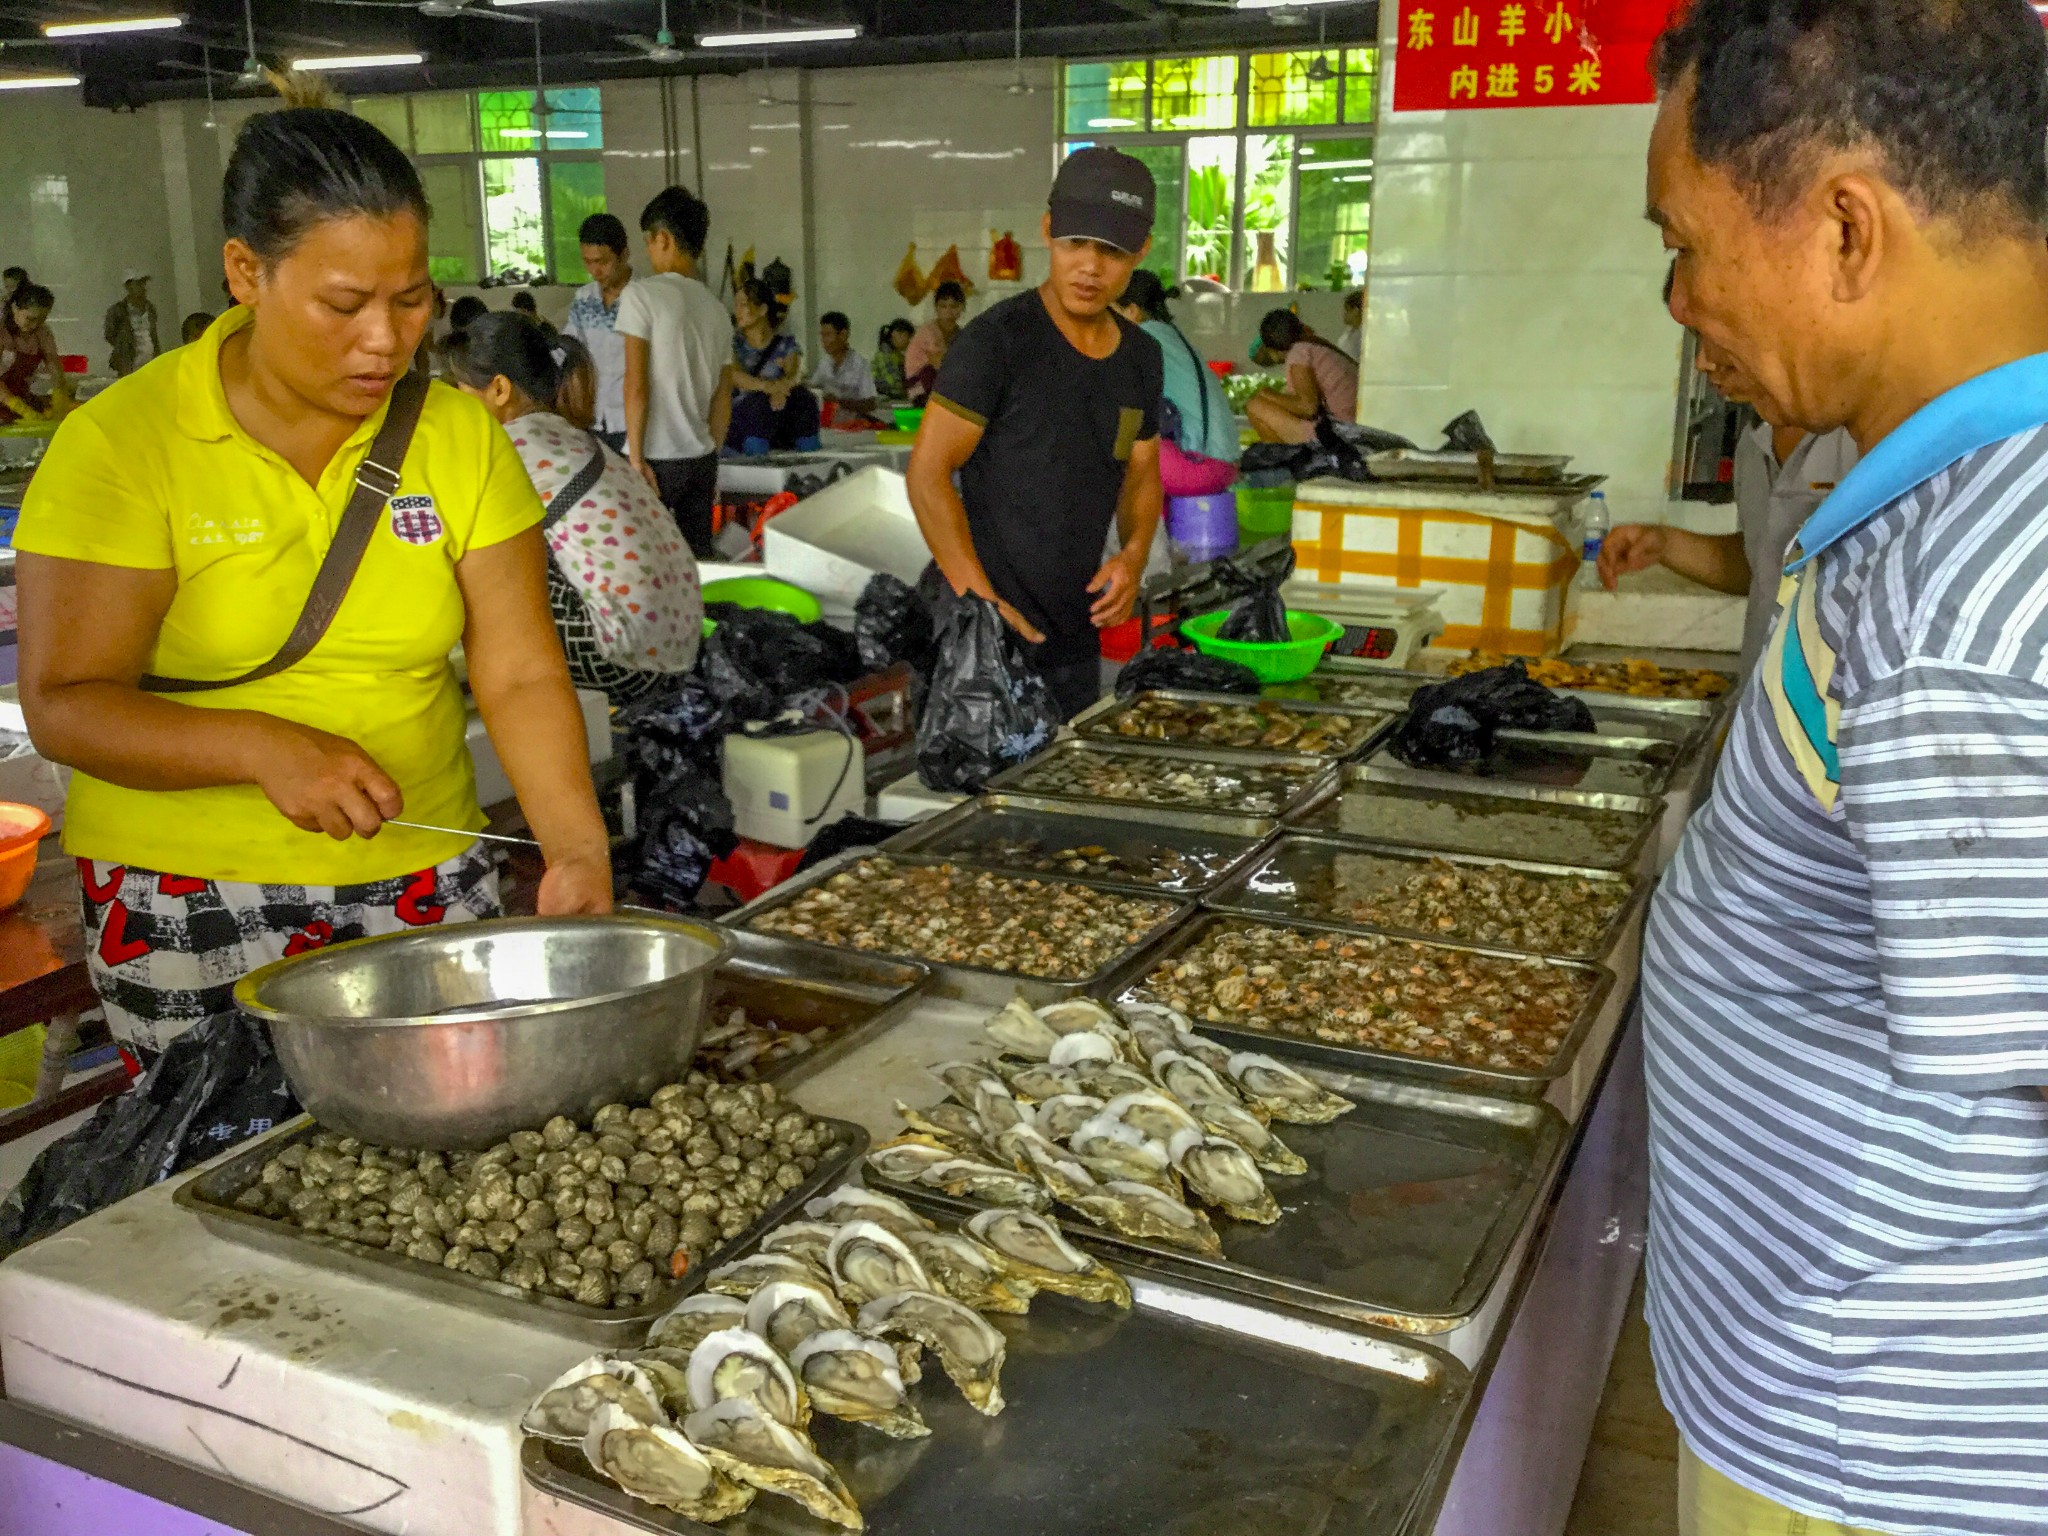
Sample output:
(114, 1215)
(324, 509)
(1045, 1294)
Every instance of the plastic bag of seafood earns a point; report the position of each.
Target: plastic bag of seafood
(1456, 721)
(987, 709)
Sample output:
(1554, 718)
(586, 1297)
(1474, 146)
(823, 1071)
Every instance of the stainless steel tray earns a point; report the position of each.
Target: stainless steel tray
(1129, 982)
(1492, 818)
(967, 832)
(1098, 721)
(1270, 886)
(1569, 761)
(1342, 682)
(1404, 1220)
(1193, 1413)
(210, 1195)
(1313, 772)
(972, 983)
(811, 988)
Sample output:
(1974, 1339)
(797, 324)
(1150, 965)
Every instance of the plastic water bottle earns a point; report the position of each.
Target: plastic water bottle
(1594, 524)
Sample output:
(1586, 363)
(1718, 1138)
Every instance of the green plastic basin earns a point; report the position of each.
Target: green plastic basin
(762, 592)
(1273, 662)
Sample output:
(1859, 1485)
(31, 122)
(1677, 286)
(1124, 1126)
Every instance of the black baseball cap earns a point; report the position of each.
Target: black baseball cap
(1103, 194)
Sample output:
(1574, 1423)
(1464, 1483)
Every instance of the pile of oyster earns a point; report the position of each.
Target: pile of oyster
(603, 1215)
(1132, 1122)
(831, 1315)
(960, 916)
(1252, 723)
(1108, 774)
(1385, 994)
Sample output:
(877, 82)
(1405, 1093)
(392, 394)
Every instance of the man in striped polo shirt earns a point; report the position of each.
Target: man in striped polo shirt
(1845, 977)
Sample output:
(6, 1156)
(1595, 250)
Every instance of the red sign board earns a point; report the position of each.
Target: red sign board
(1458, 55)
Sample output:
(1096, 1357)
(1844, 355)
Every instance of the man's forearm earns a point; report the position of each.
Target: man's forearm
(1712, 560)
(1138, 511)
(942, 518)
(636, 413)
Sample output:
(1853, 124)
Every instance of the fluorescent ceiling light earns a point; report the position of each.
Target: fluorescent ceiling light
(534, 133)
(360, 61)
(1283, 5)
(1335, 165)
(106, 28)
(1112, 122)
(501, 4)
(35, 82)
(777, 38)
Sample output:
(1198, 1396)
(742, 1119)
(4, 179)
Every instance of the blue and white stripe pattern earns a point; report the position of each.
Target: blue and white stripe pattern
(1846, 1001)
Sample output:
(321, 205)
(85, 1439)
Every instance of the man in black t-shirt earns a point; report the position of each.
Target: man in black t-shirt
(1047, 408)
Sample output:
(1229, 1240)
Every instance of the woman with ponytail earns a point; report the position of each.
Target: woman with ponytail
(770, 407)
(242, 571)
(622, 581)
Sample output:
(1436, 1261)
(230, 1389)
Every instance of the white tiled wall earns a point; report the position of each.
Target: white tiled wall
(1513, 273)
(81, 200)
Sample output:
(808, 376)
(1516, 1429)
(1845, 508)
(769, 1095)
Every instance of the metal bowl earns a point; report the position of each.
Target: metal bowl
(456, 1037)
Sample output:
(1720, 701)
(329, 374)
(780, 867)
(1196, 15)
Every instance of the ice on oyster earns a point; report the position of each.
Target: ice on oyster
(786, 1313)
(974, 1275)
(969, 1348)
(657, 1463)
(1284, 1093)
(868, 1261)
(859, 1379)
(850, 1202)
(564, 1412)
(1221, 1173)
(738, 1362)
(1142, 1210)
(1036, 1251)
(690, 1321)
(742, 1277)
(750, 1447)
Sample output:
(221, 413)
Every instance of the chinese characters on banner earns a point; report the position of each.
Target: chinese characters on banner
(1460, 54)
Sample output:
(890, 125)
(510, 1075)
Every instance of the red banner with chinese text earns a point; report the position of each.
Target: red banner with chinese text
(1468, 54)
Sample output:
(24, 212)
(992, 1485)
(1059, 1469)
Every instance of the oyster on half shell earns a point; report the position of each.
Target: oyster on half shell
(849, 1202)
(742, 1277)
(750, 1447)
(969, 1349)
(657, 1463)
(868, 1260)
(1221, 1173)
(806, 1240)
(565, 1410)
(973, 1275)
(1141, 1210)
(1284, 1093)
(1021, 1032)
(859, 1379)
(787, 1312)
(1037, 1252)
(685, 1325)
(738, 1362)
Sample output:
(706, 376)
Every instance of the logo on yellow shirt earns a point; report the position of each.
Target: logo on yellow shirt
(414, 519)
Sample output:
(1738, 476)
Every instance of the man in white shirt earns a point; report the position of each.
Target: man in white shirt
(593, 315)
(842, 377)
(678, 387)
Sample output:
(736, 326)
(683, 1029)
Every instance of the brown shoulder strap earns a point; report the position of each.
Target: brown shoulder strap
(376, 483)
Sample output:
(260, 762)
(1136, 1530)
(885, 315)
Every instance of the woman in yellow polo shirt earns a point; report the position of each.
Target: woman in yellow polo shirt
(174, 529)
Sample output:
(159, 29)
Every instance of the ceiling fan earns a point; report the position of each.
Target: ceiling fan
(658, 49)
(440, 10)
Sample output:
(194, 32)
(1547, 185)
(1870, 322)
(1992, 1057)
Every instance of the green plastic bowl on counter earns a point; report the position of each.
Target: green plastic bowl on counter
(762, 592)
(1279, 661)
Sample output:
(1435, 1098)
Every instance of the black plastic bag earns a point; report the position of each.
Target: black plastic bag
(758, 661)
(891, 623)
(1467, 434)
(214, 1087)
(987, 708)
(672, 748)
(1456, 722)
(1259, 614)
(1187, 670)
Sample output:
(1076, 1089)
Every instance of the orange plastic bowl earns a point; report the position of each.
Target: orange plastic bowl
(21, 834)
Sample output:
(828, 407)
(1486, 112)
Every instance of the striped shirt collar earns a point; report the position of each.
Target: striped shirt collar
(2005, 402)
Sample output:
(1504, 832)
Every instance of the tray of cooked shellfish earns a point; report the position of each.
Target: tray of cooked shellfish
(1245, 723)
(1494, 1020)
(868, 1365)
(1177, 853)
(1259, 787)
(596, 1227)
(1544, 909)
(1370, 1198)
(984, 932)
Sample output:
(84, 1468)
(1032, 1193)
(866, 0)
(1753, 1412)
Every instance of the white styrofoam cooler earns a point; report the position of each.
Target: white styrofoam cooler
(832, 544)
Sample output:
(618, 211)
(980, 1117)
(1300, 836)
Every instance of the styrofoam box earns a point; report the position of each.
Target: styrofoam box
(833, 544)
